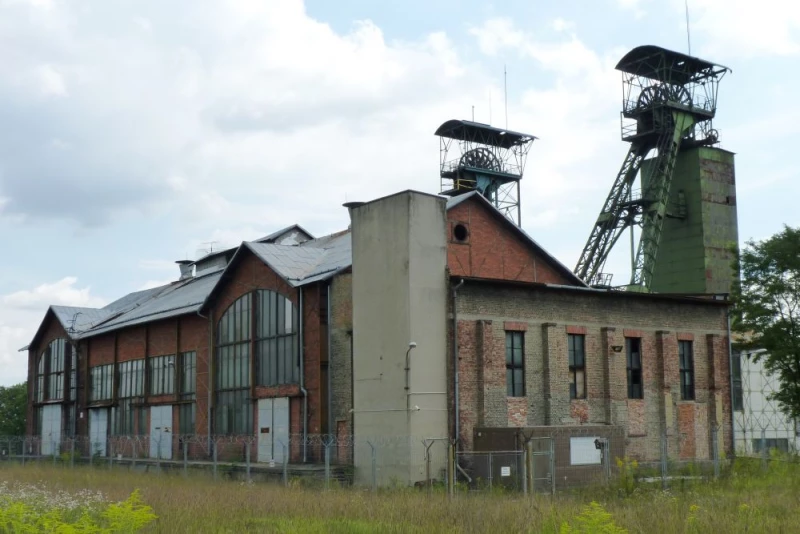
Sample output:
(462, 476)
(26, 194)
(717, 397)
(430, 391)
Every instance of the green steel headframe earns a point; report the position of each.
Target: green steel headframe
(669, 101)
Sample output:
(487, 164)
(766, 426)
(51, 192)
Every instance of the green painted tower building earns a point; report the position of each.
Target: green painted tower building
(700, 226)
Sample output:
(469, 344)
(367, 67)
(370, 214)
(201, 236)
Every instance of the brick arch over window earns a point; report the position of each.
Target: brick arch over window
(257, 334)
(54, 362)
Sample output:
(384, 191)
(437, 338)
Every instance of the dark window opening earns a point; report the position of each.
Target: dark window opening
(634, 350)
(515, 364)
(577, 366)
(460, 232)
(54, 363)
(686, 369)
(102, 382)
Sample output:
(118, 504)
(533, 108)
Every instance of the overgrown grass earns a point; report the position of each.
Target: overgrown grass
(746, 499)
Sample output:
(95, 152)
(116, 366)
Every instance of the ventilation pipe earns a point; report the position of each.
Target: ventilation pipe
(455, 360)
(187, 269)
(302, 377)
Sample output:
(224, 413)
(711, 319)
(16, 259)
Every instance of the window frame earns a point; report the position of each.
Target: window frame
(162, 375)
(737, 394)
(576, 370)
(515, 363)
(55, 372)
(687, 377)
(635, 373)
(102, 375)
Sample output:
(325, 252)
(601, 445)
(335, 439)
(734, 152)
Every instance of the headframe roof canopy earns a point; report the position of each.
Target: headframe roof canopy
(485, 134)
(665, 65)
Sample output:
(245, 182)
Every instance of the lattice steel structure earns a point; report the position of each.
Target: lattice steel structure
(485, 159)
(669, 101)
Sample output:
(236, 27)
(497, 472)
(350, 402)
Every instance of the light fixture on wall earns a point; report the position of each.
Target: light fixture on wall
(616, 348)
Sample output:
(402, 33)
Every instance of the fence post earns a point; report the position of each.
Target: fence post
(247, 458)
(764, 452)
(91, 453)
(24, 446)
(285, 464)
(428, 444)
(134, 452)
(55, 452)
(450, 469)
(214, 452)
(531, 479)
(490, 471)
(522, 458)
(552, 466)
(158, 455)
(715, 451)
(110, 454)
(185, 457)
(327, 464)
(374, 474)
(664, 455)
(72, 453)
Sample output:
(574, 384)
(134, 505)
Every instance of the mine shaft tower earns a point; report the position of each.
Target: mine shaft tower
(669, 101)
(485, 159)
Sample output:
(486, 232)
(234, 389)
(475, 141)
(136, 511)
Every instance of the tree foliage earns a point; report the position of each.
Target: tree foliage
(767, 310)
(13, 403)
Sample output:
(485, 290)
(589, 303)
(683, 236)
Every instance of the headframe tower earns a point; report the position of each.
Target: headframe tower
(485, 159)
(669, 101)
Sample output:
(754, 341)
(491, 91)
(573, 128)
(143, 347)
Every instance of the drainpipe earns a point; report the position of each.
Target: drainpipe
(730, 384)
(330, 392)
(455, 360)
(210, 388)
(302, 377)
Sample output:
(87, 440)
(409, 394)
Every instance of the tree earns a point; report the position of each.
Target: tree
(13, 404)
(767, 310)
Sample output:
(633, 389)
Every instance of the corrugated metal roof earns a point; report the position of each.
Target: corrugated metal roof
(76, 320)
(176, 299)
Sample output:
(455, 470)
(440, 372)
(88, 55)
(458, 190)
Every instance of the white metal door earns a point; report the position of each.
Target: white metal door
(161, 432)
(273, 429)
(51, 429)
(98, 430)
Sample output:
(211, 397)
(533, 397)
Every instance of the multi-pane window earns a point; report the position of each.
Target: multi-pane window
(234, 411)
(51, 369)
(187, 387)
(276, 340)
(102, 382)
(268, 322)
(131, 379)
(162, 375)
(634, 351)
(686, 369)
(737, 396)
(188, 374)
(577, 366)
(515, 365)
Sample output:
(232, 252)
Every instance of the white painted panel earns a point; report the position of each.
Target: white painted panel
(280, 419)
(582, 451)
(161, 432)
(98, 431)
(51, 429)
(265, 430)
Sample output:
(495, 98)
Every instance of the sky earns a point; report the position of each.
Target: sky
(139, 132)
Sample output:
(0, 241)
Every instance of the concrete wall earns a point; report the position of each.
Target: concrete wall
(399, 292)
(486, 311)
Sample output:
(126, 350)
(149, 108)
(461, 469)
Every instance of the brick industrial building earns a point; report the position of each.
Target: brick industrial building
(536, 346)
(436, 317)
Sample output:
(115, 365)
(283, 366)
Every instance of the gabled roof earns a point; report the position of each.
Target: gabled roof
(560, 267)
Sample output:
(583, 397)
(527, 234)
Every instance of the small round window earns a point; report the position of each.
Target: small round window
(460, 232)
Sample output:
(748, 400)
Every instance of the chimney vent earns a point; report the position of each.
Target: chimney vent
(187, 269)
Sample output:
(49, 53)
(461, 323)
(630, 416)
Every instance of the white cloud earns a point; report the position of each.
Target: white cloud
(62, 292)
(50, 81)
(21, 313)
(150, 284)
(736, 29)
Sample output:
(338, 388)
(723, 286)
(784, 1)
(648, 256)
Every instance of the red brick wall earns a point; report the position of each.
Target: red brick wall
(492, 251)
(548, 316)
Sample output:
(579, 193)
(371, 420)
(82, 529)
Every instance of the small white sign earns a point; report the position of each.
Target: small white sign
(583, 451)
(505, 471)
(272, 463)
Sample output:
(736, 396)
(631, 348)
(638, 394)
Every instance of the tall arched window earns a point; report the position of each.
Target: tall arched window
(53, 362)
(264, 324)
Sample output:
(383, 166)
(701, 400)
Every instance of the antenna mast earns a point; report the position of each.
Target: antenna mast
(505, 91)
(688, 34)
